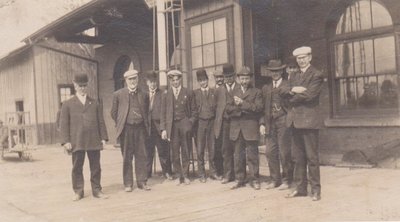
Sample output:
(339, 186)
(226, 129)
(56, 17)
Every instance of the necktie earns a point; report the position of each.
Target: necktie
(151, 99)
(275, 84)
(176, 93)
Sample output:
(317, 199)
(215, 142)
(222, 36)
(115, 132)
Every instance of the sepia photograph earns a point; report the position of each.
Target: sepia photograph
(199, 110)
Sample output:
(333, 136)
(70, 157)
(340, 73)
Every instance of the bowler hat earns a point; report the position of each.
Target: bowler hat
(173, 73)
(228, 70)
(201, 74)
(81, 78)
(245, 71)
(275, 64)
(131, 73)
(151, 75)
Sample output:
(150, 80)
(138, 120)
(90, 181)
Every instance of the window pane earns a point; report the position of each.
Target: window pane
(207, 32)
(380, 16)
(361, 15)
(368, 89)
(220, 29)
(347, 93)
(211, 80)
(221, 52)
(194, 77)
(195, 34)
(344, 24)
(385, 59)
(208, 55)
(344, 60)
(364, 57)
(197, 57)
(388, 97)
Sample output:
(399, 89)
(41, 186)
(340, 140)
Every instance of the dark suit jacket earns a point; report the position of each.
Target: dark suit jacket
(167, 109)
(303, 110)
(266, 92)
(156, 110)
(245, 117)
(222, 99)
(82, 125)
(120, 108)
(211, 97)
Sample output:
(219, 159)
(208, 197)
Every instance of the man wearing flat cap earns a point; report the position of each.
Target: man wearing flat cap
(129, 111)
(219, 78)
(222, 121)
(273, 127)
(303, 119)
(245, 109)
(83, 131)
(178, 114)
(205, 100)
(155, 139)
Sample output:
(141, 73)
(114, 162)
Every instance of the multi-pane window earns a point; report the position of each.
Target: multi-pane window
(209, 47)
(365, 74)
(66, 92)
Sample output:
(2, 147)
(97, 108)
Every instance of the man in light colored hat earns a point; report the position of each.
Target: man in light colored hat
(205, 100)
(222, 122)
(273, 127)
(245, 109)
(303, 119)
(178, 114)
(129, 111)
(83, 131)
(219, 78)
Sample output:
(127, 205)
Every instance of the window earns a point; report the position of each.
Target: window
(66, 91)
(365, 74)
(210, 44)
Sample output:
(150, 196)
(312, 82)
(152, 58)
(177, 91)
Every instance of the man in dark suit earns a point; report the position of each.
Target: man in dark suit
(205, 100)
(155, 140)
(303, 118)
(129, 112)
(178, 114)
(83, 131)
(222, 121)
(273, 127)
(245, 109)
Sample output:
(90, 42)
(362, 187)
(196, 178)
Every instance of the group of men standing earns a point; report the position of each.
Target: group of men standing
(226, 121)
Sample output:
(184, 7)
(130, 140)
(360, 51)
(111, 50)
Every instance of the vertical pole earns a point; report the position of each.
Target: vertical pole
(162, 46)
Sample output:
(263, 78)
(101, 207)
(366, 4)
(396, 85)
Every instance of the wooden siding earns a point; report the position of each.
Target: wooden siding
(197, 8)
(16, 83)
(54, 67)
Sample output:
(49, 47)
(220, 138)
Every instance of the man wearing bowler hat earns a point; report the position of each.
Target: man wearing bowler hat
(273, 127)
(129, 111)
(155, 140)
(303, 118)
(83, 131)
(222, 121)
(205, 100)
(245, 108)
(178, 114)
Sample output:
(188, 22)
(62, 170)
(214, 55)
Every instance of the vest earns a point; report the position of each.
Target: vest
(179, 107)
(276, 104)
(134, 116)
(205, 111)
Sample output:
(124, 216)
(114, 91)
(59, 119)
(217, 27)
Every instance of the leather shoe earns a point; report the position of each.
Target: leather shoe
(77, 197)
(295, 194)
(215, 177)
(186, 181)
(100, 195)
(283, 186)
(225, 181)
(168, 176)
(144, 186)
(255, 185)
(202, 179)
(316, 197)
(237, 185)
(128, 189)
(271, 185)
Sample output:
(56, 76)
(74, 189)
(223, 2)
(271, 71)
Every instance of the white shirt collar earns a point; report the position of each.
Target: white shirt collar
(303, 70)
(204, 89)
(82, 98)
(230, 87)
(243, 90)
(277, 83)
(178, 89)
(132, 90)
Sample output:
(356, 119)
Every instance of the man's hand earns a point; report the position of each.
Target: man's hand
(298, 89)
(237, 100)
(68, 148)
(262, 130)
(164, 135)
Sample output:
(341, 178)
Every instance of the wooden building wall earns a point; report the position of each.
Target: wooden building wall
(53, 67)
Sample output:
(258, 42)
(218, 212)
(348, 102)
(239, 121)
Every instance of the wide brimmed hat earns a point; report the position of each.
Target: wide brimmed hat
(201, 74)
(81, 78)
(245, 71)
(275, 64)
(228, 70)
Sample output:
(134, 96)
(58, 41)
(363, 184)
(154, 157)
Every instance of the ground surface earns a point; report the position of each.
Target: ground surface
(40, 190)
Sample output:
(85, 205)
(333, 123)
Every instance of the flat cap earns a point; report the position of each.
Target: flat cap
(174, 72)
(80, 79)
(131, 73)
(245, 71)
(304, 50)
(218, 73)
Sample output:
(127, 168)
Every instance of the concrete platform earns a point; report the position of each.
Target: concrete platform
(40, 190)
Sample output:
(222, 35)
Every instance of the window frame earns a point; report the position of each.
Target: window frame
(60, 86)
(370, 34)
(226, 12)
